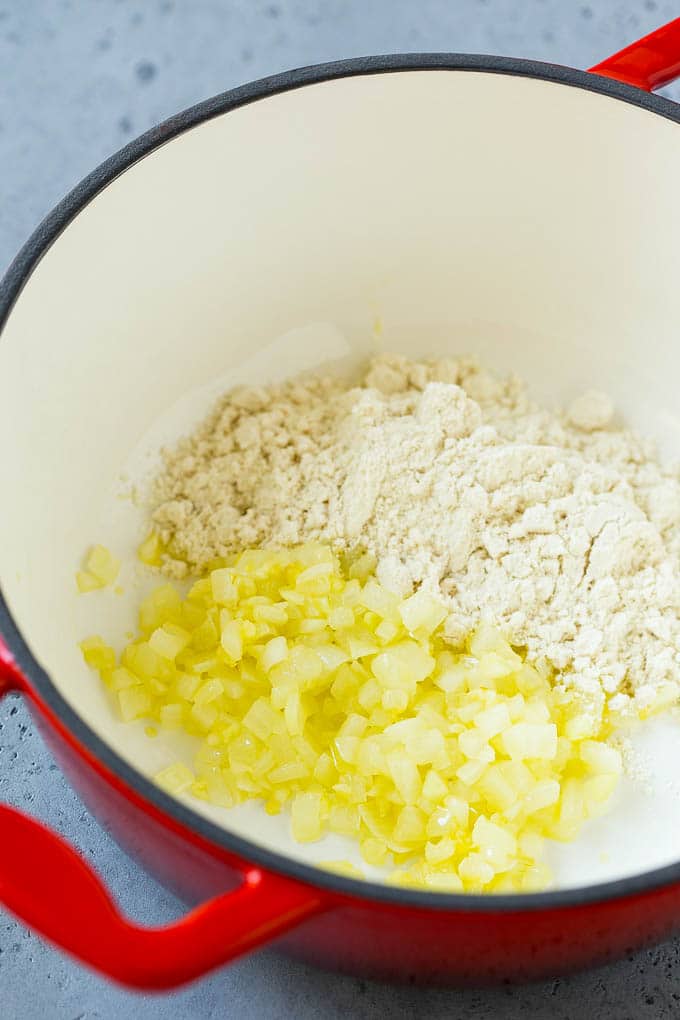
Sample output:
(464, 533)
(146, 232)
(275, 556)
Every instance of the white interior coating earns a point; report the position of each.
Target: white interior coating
(531, 223)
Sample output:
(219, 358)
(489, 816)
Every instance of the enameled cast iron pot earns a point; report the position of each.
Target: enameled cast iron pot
(526, 210)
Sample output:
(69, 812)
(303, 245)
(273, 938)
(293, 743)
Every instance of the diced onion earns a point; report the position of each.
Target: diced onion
(314, 689)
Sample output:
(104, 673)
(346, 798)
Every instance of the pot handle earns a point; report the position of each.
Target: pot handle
(650, 63)
(48, 886)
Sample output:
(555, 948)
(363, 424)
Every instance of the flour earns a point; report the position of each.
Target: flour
(561, 528)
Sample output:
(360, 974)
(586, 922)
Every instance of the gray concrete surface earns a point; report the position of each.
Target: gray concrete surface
(77, 80)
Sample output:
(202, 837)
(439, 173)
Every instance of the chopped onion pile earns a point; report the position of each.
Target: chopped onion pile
(315, 689)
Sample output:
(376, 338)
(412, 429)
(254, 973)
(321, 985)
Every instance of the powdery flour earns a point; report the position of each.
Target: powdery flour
(561, 528)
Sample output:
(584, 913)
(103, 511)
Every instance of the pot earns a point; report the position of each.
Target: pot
(526, 210)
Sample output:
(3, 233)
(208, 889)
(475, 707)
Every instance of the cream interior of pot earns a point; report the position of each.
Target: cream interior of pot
(531, 223)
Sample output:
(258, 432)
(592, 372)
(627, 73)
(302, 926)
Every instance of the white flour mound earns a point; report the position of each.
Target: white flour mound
(562, 529)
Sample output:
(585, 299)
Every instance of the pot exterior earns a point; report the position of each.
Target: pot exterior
(375, 939)
(372, 937)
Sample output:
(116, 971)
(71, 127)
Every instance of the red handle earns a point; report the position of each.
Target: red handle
(51, 888)
(650, 63)
(10, 676)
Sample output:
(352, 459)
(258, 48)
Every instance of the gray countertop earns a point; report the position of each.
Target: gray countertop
(79, 79)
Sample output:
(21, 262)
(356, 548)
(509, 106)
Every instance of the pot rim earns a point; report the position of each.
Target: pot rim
(83, 736)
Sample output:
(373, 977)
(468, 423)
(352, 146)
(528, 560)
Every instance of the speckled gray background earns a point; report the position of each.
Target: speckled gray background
(77, 80)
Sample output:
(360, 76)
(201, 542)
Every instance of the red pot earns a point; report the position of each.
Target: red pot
(335, 921)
